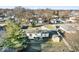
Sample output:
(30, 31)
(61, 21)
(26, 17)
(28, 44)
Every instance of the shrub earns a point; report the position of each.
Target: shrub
(15, 36)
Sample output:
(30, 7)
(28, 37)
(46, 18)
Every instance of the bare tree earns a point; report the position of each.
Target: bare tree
(19, 11)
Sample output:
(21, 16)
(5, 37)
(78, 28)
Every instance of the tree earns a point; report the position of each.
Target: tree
(33, 24)
(15, 37)
(19, 11)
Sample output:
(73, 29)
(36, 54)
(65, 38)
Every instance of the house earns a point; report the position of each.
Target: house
(56, 21)
(40, 20)
(36, 21)
(2, 18)
(52, 21)
(61, 20)
(32, 34)
(30, 20)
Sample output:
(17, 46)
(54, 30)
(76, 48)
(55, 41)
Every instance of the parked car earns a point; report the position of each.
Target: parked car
(24, 26)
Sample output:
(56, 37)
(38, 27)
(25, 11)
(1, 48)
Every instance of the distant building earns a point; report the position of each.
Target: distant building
(57, 21)
(53, 21)
(40, 20)
(2, 18)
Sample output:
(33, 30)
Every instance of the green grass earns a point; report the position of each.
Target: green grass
(51, 27)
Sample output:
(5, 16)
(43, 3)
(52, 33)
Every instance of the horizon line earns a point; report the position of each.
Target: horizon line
(44, 7)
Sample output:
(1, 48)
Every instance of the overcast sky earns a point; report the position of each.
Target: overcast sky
(41, 4)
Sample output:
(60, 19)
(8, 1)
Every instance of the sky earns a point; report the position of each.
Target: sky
(44, 7)
(41, 4)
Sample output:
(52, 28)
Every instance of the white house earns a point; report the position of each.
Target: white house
(40, 34)
(53, 21)
(40, 21)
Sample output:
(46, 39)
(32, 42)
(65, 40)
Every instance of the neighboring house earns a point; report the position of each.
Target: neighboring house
(55, 21)
(2, 18)
(40, 21)
(37, 34)
(37, 21)
(61, 20)
(13, 16)
(43, 34)
(30, 20)
(35, 15)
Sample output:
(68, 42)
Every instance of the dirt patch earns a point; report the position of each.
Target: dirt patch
(50, 46)
(73, 40)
